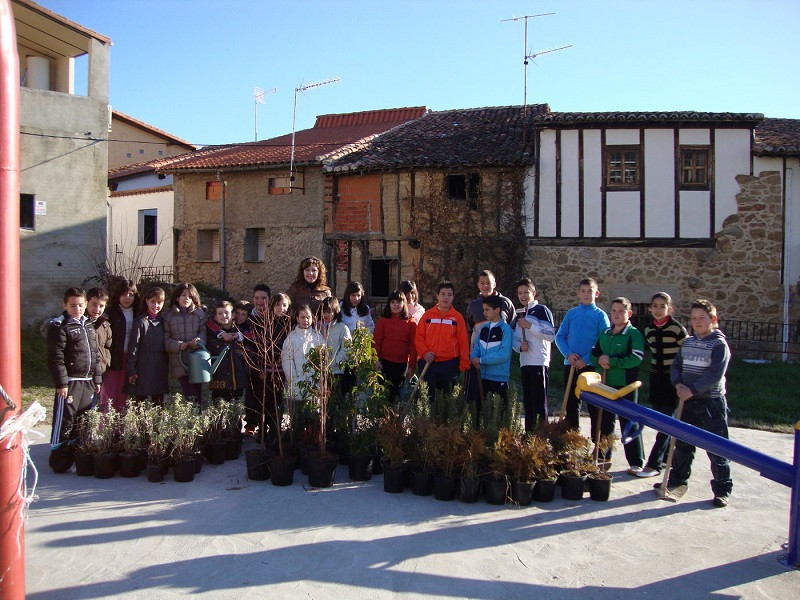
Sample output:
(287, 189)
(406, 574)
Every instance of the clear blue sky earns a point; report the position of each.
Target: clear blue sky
(189, 67)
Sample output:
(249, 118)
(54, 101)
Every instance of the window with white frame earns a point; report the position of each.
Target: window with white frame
(623, 167)
(208, 245)
(148, 227)
(255, 244)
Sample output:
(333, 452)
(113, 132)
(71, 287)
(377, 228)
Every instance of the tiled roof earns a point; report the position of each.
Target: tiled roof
(450, 139)
(153, 130)
(331, 136)
(135, 169)
(142, 191)
(778, 137)
(578, 118)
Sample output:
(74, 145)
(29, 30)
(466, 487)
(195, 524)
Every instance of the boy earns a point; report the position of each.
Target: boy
(664, 336)
(241, 312)
(619, 352)
(228, 381)
(533, 335)
(441, 341)
(72, 359)
(491, 353)
(255, 329)
(698, 374)
(576, 336)
(96, 300)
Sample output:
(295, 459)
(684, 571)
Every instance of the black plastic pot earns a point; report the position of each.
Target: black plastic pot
(422, 483)
(130, 465)
(183, 469)
(305, 450)
(469, 489)
(544, 490)
(394, 480)
(572, 486)
(444, 487)
(198, 462)
(105, 465)
(257, 464)
(599, 488)
(215, 452)
(281, 470)
(494, 491)
(84, 464)
(234, 448)
(522, 492)
(359, 467)
(155, 474)
(321, 469)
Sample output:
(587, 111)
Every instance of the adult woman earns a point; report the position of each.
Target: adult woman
(310, 286)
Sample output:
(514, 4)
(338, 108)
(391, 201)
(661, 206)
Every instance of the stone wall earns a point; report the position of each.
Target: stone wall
(740, 275)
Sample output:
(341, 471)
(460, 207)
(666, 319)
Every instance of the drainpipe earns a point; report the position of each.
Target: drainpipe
(788, 236)
(12, 541)
(223, 265)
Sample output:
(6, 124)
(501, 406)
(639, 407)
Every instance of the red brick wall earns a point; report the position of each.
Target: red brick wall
(358, 209)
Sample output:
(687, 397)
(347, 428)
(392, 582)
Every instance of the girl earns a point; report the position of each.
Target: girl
(295, 350)
(184, 328)
(123, 300)
(355, 309)
(309, 286)
(664, 336)
(228, 381)
(415, 310)
(334, 332)
(147, 359)
(394, 343)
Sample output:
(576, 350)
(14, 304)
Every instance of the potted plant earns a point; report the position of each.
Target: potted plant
(362, 442)
(132, 440)
(234, 419)
(575, 459)
(391, 436)
(316, 394)
(522, 468)
(420, 456)
(495, 484)
(544, 465)
(446, 446)
(214, 427)
(157, 430)
(86, 424)
(470, 463)
(185, 430)
(106, 443)
(599, 478)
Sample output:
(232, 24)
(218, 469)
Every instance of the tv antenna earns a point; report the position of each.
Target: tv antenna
(302, 88)
(258, 97)
(528, 55)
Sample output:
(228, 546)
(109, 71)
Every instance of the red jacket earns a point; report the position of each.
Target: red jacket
(444, 334)
(394, 340)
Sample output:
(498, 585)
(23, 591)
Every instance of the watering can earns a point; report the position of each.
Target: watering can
(201, 364)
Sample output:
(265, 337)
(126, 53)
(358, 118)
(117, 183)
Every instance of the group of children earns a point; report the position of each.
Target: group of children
(121, 352)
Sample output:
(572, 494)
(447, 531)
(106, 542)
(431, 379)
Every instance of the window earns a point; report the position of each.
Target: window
(27, 210)
(279, 186)
(148, 219)
(213, 190)
(465, 187)
(383, 276)
(208, 245)
(255, 243)
(695, 167)
(623, 167)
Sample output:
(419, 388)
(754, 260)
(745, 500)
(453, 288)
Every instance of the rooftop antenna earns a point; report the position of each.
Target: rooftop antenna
(527, 55)
(258, 97)
(302, 88)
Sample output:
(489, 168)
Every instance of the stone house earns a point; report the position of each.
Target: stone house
(271, 218)
(438, 198)
(141, 202)
(681, 202)
(63, 156)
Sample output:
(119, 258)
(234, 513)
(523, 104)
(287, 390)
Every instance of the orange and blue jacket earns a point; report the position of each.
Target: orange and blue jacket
(444, 334)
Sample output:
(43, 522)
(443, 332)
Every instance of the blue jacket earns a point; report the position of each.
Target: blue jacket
(493, 347)
(579, 331)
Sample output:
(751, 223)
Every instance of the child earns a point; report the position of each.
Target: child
(295, 350)
(228, 381)
(394, 343)
(72, 359)
(441, 341)
(241, 313)
(619, 352)
(409, 289)
(147, 366)
(533, 335)
(184, 330)
(664, 336)
(698, 374)
(334, 332)
(491, 353)
(309, 287)
(96, 299)
(123, 301)
(575, 339)
(355, 311)
(486, 287)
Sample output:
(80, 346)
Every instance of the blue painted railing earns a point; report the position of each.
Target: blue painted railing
(768, 466)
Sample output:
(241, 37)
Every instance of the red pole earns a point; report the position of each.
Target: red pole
(12, 544)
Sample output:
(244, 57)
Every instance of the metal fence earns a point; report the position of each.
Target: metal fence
(156, 274)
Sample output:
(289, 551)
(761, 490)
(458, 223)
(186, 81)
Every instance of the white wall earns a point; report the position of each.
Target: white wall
(731, 158)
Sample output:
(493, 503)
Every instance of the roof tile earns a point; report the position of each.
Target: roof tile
(778, 137)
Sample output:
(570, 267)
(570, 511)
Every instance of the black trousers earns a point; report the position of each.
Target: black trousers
(66, 411)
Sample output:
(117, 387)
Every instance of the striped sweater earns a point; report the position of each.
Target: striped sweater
(701, 364)
(664, 342)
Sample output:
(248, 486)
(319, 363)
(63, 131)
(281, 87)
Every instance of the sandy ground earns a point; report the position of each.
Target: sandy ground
(223, 536)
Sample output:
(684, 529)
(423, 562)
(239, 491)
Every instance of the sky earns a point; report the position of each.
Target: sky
(190, 67)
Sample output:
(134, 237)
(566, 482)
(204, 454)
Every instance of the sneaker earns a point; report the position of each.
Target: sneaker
(720, 501)
(648, 472)
(634, 471)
